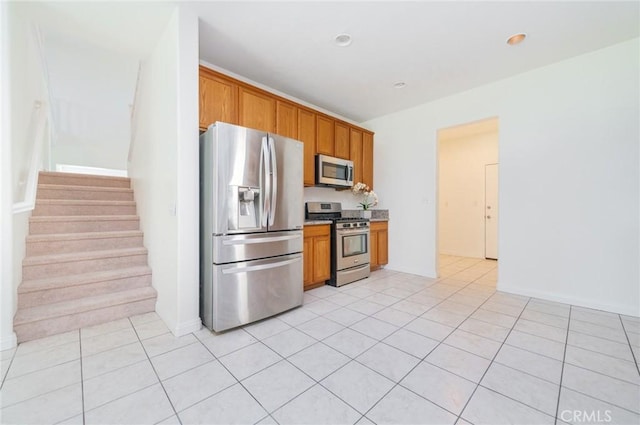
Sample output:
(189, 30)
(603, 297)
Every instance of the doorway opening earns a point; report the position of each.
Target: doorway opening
(468, 210)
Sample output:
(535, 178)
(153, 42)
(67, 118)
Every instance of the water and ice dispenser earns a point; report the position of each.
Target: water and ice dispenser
(246, 205)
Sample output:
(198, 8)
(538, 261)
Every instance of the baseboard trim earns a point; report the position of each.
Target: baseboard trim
(618, 309)
(82, 169)
(8, 341)
(187, 327)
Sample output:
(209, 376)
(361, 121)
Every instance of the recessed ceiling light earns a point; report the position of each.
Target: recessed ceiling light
(399, 85)
(343, 40)
(516, 39)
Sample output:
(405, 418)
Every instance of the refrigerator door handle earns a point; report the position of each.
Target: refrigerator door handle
(266, 193)
(261, 240)
(273, 199)
(260, 267)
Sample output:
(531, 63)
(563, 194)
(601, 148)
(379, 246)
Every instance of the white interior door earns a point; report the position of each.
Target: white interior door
(491, 211)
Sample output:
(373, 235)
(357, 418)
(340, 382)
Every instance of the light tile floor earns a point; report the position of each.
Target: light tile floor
(392, 349)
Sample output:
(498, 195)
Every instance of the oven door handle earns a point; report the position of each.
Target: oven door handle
(352, 232)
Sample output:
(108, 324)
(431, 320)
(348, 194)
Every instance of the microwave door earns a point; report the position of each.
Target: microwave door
(286, 210)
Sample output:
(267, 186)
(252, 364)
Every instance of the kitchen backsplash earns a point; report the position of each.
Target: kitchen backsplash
(375, 214)
(327, 194)
(350, 202)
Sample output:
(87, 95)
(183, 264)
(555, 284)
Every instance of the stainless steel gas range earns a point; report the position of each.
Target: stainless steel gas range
(350, 242)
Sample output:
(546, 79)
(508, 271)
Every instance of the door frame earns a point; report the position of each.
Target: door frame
(437, 179)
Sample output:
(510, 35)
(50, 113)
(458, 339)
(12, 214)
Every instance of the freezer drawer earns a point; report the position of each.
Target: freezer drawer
(233, 248)
(245, 292)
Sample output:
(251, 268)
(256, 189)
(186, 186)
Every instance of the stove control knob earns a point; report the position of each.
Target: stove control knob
(347, 225)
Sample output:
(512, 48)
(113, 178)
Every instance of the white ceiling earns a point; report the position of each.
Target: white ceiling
(436, 48)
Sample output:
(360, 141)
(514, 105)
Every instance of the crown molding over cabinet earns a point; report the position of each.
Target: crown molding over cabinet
(223, 98)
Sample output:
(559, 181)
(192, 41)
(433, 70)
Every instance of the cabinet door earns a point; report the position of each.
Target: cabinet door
(383, 247)
(257, 110)
(321, 258)
(367, 159)
(218, 100)
(307, 135)
(286, 119)
(342, 140)
(324, 135)
(356, 155)
(373, 249)
(307, 253)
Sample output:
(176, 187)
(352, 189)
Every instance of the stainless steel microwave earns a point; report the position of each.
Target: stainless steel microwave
(333, 172)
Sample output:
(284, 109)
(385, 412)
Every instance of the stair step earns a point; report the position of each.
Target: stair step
(44, 320)
(58, 207)
(39, 267)
(57, 289)
(76, 179)
(55, 191)
(45, 225)
(81, 242)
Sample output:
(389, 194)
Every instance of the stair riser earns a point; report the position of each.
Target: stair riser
(40, 329)
(83, 181)
(82, 245)
(48, 228)
(85, 195)
(56, 210)
(49, 296)
(42, 271)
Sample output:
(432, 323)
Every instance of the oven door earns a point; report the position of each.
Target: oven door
(352, 248)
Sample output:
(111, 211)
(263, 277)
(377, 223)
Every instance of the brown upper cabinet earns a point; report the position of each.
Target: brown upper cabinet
(257, 110)
(226, 99)
(307, 135)
(286, 119)
(342, 140)
(325, 135)
(367, 158)
(218, 99)
(355, 154)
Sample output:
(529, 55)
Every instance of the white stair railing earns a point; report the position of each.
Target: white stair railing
(35, 164)
(42, 117)
(134, 121)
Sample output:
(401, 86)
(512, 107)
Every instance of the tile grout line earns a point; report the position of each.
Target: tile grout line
(4, 376)
(633, 355)
(353, 359)
(155, 372)
(564, 358)
(490, 364)
(84, 421)
(238, 381)
(396, 384)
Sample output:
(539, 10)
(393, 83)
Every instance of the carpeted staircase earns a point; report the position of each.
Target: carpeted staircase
(85, 262)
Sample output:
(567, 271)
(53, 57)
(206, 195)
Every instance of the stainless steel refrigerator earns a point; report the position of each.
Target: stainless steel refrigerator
(251, 219)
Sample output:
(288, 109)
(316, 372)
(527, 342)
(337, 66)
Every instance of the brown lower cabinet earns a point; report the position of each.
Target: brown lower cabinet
(317, 255)
(379, 254)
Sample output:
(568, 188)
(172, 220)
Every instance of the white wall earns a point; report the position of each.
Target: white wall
(27, 82)
(7, 292)
(462, 157)
(188, 199)
(91, 89)
(164, 171)
(22, 86)
(569, 178)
